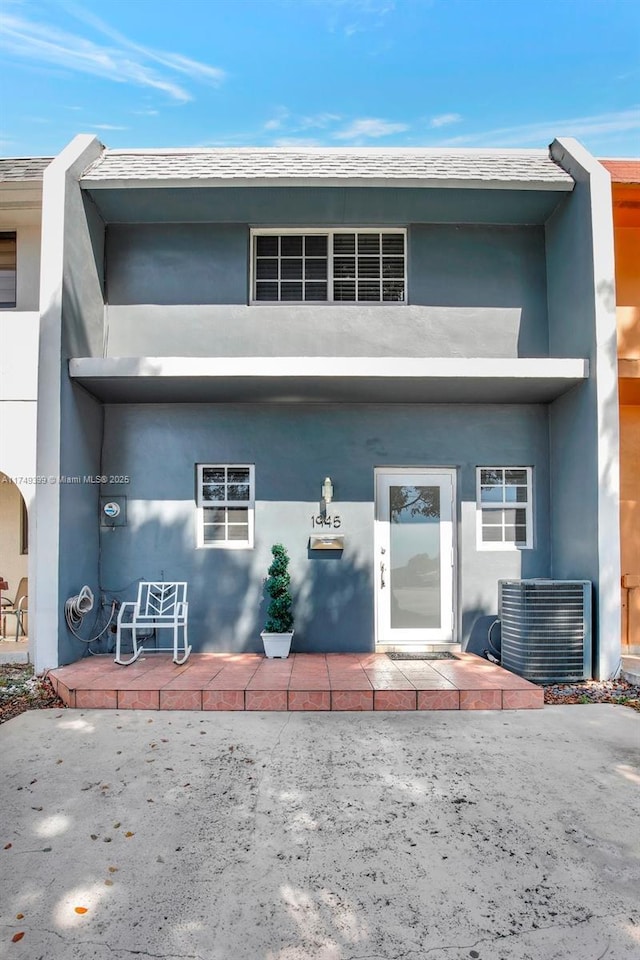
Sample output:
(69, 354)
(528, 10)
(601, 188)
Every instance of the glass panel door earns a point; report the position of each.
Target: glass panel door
(414, 556)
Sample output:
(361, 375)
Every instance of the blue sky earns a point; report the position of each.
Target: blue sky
(163, 73)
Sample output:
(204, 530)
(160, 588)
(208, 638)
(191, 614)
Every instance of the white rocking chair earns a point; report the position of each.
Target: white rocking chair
(159, 605)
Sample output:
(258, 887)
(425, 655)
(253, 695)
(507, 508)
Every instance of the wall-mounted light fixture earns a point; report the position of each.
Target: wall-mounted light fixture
(327, 491)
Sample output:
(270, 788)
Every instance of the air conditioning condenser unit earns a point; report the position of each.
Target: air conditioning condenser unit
(546, 629)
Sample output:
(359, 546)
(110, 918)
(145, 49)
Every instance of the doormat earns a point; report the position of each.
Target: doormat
(438, 655)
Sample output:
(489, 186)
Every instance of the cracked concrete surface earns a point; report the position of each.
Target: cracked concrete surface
(397, 836)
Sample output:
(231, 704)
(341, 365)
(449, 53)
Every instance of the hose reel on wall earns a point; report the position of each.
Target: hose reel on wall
(75, 610)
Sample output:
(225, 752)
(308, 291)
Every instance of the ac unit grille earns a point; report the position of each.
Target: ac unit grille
(546, 629)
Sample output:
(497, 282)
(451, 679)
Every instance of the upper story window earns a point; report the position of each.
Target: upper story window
(226, 501)
(8, 248)
(329, 266)
(504, 508)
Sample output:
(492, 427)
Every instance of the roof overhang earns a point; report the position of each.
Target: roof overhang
(440, 183)
(327, 379)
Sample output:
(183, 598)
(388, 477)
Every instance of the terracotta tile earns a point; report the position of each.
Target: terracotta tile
(523, 699)
(438, 699)
(180, 699)
(68, 696)
(346, 673)
(400, 683)
(394, 699)
(351, 699)
(97, 699)
(368, 659)
(430, 684)
(351, 683)
(72, 680)
(108, 682)
(265, 700)
(272, 675)
(223, 699)
(309, 700)
(513, 682)
(139, 699)
(341, 660)
(308, 683)
(481, 699)
(146, 683)
(191, 681)
(228, 680)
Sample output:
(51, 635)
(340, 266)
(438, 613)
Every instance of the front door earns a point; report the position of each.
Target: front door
(414, 556)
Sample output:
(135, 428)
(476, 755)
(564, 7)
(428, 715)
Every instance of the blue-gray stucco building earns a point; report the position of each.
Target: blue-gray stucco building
(222, 330)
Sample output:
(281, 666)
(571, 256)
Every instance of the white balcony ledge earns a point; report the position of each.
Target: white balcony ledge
(327, 379)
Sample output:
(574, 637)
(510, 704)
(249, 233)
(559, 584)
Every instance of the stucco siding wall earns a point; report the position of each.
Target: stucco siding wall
(293, 449)
(71, 322)
(81, 417)
(184, 289)
(583, 424)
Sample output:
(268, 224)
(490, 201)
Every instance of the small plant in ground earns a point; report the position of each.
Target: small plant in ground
(584, 699)
(279, 612)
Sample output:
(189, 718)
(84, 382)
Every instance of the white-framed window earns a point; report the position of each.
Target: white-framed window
(226, 505)
(504, 508)
(329, 266)
(8, 261)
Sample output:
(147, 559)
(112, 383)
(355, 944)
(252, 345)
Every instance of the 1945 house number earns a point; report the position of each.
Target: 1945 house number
(326, 521)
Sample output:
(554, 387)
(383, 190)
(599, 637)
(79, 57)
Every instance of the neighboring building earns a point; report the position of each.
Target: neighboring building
(20, 225)
(434, 330)
(625, 186)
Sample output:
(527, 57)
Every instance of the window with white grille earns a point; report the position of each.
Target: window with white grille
(226, 502)
(504, 508)
(333, 266)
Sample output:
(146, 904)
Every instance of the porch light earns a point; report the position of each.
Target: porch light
(327, 490)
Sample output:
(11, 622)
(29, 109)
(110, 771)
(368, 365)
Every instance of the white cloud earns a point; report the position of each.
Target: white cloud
(105, 126)
(543, 132)
(278, 119)
(356, 16)
(283, 120)
(445, 119)
(371, 127)
(318, 121)
(124, 62)
(146, 113)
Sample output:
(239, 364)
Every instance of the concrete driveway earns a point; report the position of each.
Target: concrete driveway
(241, 836)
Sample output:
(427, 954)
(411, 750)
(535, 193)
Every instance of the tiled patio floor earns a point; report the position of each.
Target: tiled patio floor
(333, 681)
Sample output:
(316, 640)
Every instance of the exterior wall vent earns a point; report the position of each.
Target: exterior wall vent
(546, 629)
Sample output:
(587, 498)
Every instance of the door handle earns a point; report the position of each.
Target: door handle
(382, 583)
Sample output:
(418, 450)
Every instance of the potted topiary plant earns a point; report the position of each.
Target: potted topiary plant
(278, 628)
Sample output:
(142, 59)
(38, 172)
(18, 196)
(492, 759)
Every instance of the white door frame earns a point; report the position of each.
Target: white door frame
(447, 633)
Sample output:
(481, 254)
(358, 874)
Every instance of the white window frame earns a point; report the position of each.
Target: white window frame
(13, 305)
(201, 504)
(504, 505)
(328, 232)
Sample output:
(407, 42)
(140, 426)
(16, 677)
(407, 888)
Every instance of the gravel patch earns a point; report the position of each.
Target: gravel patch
(594, 691)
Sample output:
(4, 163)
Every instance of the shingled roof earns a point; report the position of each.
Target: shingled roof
(623, 171)
(517, 168)
(16, 169)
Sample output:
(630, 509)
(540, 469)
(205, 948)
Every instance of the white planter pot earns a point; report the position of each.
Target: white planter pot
(277, 645)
